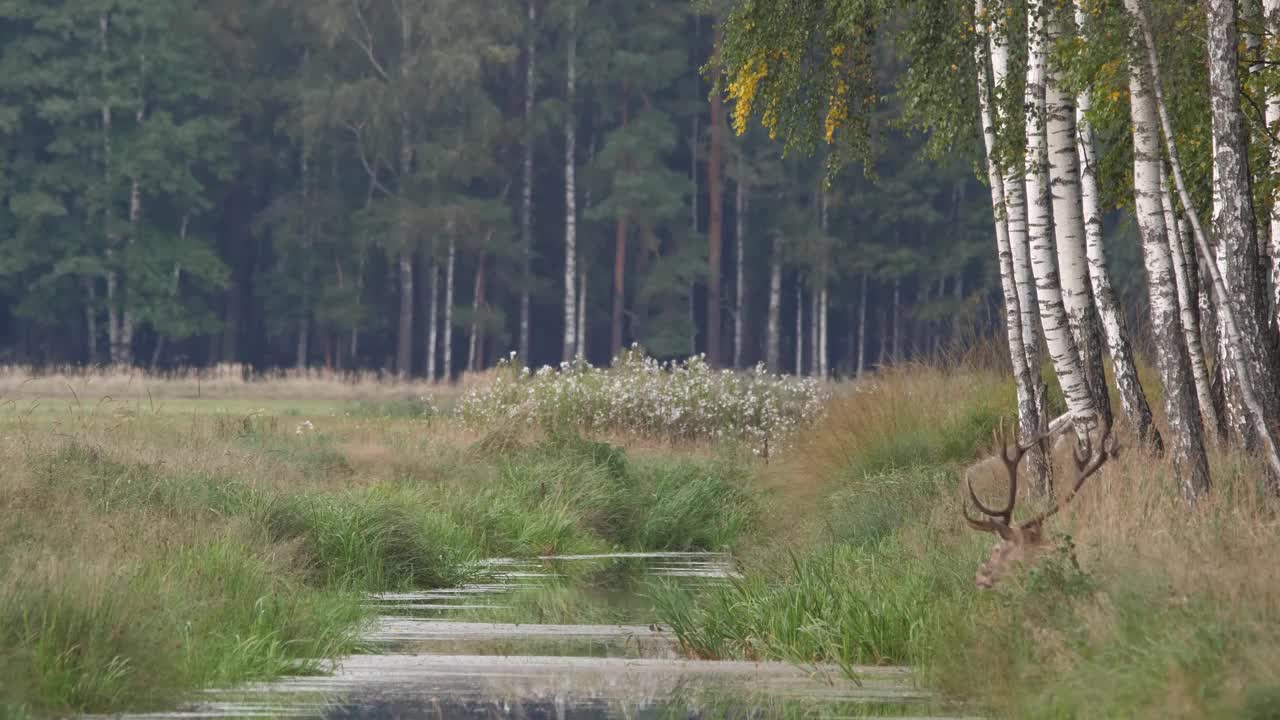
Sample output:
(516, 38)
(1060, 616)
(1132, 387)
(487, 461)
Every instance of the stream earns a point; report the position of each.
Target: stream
(567, 637)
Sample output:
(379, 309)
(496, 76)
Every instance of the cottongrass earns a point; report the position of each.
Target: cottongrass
(676, 401)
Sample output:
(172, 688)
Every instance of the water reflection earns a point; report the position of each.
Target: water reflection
(559, 637)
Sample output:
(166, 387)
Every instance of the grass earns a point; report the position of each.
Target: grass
(158, 553)
(1145, 608)
(150, 557)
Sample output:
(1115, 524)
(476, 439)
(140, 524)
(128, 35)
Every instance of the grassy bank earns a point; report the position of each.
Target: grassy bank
(1147, 609)
(148, 554)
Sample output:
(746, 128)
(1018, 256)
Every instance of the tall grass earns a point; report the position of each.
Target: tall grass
(1145, 608)
(144, 558)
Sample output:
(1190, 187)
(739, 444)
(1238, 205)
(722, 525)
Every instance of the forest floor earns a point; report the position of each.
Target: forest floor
(164, 543)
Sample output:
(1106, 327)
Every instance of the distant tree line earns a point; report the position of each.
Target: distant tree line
(427, 187)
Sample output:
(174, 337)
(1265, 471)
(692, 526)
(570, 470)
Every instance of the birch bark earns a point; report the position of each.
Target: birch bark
(1069, 230)
(1063, 352)
(1233, 222)
(773, 339)
(1271, 8)
(1188, 297)
(1190, 466)
(447, 368)
(1133, 399)
(1028, 415)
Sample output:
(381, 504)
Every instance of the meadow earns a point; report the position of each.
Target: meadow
(163, 534)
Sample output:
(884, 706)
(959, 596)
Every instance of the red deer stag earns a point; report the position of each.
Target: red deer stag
(1022, 541)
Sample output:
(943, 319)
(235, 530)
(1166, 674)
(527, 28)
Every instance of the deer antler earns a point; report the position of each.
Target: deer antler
(1016, 539)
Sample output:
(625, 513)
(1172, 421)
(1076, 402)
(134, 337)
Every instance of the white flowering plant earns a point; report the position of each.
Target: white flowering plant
(678, 400)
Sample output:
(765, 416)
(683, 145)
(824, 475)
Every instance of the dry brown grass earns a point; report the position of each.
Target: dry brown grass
(226, 381)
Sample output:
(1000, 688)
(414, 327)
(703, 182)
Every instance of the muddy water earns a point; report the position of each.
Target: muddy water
(564, 637)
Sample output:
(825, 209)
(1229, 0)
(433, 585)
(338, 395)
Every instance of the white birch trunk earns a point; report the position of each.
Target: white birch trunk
(773, 335)
(472, 337)
(1053, 317)
(1188, 291)
(860, 363)
(1002, 213)
(1271, 8)
(1190, 466)
(1015, 218)
(1234, 226)
(433, 317)
(570, 195)
(581, 339)
(1069, 231)
(824, 304)
(1133, 399)
(815, 330)
(448, 310)
(799, 329)
(1227, 318)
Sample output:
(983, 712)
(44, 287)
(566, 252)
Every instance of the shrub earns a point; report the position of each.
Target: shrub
(671, 401)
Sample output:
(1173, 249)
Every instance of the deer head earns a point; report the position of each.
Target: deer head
(1022, 541)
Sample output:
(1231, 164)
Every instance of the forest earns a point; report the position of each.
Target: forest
(693, 358)
(424, 188)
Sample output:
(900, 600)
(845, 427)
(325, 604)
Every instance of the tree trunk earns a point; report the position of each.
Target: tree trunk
(824, 303)
(90, 318)
(1272, 10)
(1069, 231)
(860, 362)
(815, 365)
(896, 357)
(1187, 278)
(1234, 226)
(619, 259)
(1232, 340)
(773, 336)
(433, 317)
(1133, 399)
(404, 335)
(1190, 466)
(581, 340)
(1015, 219)
(477, 301)
(570, 195)
(715, 223)
(739, 240)
(1063, 352)
(799, 328)
(526, 203)
(125, 356)
(448, 310)
(1009, 212)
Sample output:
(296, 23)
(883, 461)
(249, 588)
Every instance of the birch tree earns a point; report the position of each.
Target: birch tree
(1231, 338)
(1187, 454)
(1028, 414)
(1015, 213)
(1233, 219)
(1053, 317)
(773, 333)
(1068, 225)
(1133, 399)
(1271, 9)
